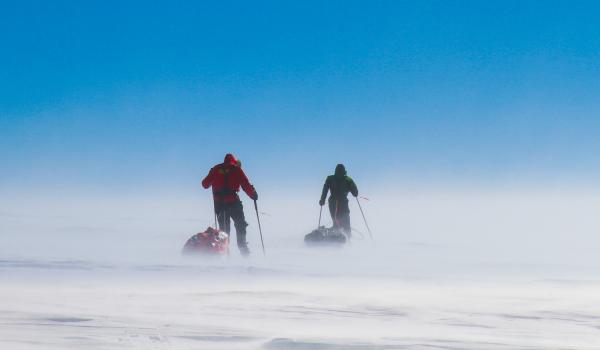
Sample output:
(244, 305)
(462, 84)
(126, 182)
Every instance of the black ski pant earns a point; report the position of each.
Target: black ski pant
(340, 214)
(234, 210)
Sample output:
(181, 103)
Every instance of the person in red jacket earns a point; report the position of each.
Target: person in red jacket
(226, 180)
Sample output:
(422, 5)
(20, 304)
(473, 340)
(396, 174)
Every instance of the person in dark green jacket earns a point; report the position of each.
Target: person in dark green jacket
(339, 184)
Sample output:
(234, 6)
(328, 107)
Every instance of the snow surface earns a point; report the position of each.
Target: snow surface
(443, 279)
(235, 304)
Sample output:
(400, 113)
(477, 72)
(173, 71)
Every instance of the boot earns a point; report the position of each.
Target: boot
(244, 250)
(242, 244)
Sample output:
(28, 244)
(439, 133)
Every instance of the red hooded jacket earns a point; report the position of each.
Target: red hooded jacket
(226, 179)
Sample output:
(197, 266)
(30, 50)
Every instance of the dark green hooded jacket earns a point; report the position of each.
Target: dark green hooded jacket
(340, 185)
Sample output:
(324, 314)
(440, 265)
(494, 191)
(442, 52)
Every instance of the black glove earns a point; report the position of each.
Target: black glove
(322, 202)
(255, 195)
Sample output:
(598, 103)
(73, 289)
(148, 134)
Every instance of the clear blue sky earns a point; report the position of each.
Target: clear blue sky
(143, 95)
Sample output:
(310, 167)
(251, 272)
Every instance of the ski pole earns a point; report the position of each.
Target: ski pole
(215, 211)
(365, 219)
(259, 228)
(320, 212)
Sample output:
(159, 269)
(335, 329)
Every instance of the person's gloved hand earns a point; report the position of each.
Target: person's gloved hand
(322, 202)
(255, 195)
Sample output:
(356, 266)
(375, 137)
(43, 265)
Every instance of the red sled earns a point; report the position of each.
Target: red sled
(211, 241)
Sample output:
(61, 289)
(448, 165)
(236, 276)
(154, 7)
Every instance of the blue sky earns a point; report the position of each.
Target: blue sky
(142, 96)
